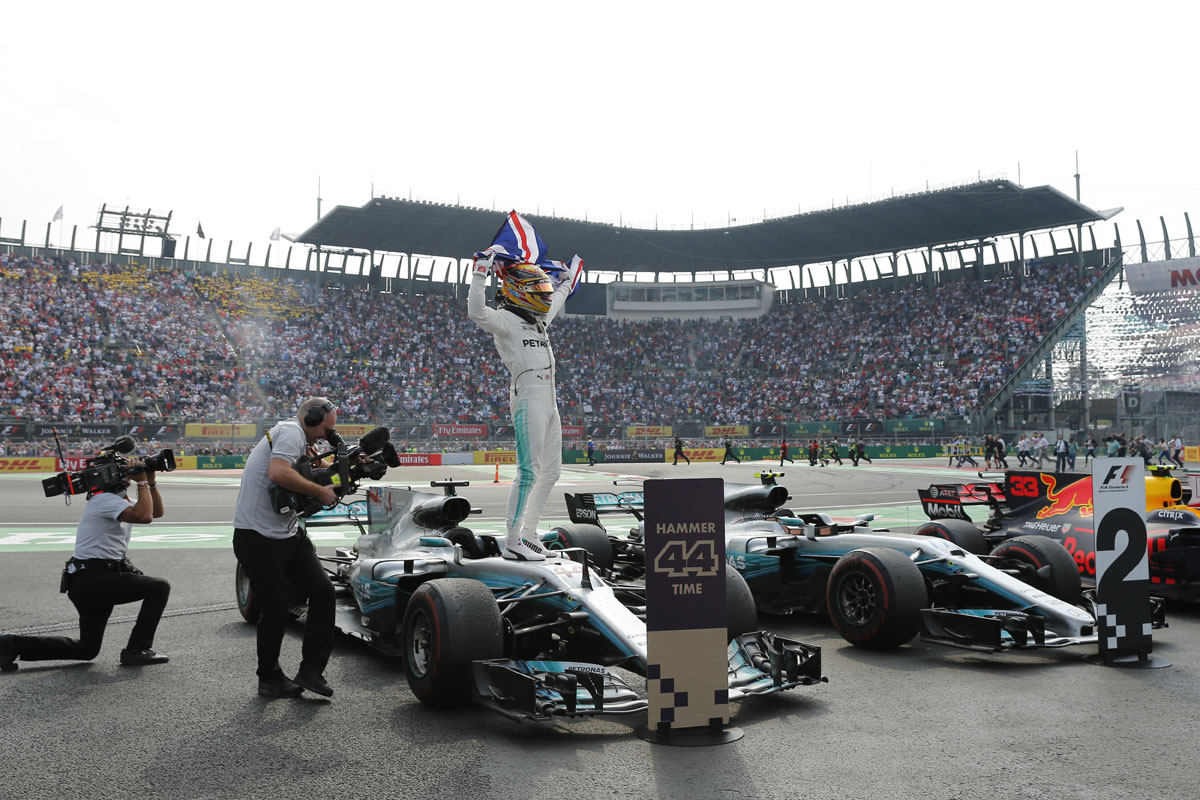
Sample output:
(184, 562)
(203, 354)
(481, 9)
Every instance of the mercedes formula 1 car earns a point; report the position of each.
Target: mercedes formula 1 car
(531, 640)
(879, 589)
(1058, 505)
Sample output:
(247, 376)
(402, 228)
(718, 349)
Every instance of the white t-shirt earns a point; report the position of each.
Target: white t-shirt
(254, 509)
(100, 534)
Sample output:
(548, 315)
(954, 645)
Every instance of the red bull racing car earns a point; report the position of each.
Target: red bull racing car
(1058, 505)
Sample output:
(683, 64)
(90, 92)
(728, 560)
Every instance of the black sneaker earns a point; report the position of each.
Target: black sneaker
(313, 683)
(140, 658)
(279, 686)
(8, 653)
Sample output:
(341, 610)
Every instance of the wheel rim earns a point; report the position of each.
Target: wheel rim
(420, 644)
(243, 590)
(857, 599)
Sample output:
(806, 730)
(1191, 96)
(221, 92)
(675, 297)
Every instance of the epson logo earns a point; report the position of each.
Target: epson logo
(535, 343)
(587, 513)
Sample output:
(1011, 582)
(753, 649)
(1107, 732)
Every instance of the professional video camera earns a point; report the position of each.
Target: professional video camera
(108, 471)
(370, 458)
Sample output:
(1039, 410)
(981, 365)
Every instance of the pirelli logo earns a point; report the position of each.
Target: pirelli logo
(501, 457)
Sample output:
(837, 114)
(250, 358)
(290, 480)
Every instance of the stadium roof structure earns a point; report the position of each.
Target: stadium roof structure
(972, 212)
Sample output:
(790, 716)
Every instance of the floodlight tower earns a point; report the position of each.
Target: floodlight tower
(142, 224)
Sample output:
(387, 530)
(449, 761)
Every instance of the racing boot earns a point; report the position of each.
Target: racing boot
(521, 549)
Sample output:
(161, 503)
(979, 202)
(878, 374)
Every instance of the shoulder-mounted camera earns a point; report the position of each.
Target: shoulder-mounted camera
(108, 471)
(342, 467)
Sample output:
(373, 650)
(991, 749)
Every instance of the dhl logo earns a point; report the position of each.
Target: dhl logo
(725, 430)
(24, 464)
(1073, 495)
(648, 430)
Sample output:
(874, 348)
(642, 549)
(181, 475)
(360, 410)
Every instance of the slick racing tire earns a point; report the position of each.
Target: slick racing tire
(245, 597)
(449, 623)
(1044, 564)
(741, 613)
(249, 609)
(956, 531)
(875, 596)
(592, 538)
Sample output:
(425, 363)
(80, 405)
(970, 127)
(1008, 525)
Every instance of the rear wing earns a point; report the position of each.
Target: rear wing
(948, 501)
(586, 508)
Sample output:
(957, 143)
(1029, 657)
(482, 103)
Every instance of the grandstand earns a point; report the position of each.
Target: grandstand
(985, 345)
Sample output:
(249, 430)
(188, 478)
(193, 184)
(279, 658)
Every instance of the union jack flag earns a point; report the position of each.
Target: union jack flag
(516, 241)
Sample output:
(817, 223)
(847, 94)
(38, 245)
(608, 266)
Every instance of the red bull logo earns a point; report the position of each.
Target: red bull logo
(1072, 496)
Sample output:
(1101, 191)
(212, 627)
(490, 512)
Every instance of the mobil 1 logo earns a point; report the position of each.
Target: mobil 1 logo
(686, 618)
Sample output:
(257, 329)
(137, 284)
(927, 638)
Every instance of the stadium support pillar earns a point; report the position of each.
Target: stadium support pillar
(1084, 397)
(1021, 259)
(1191, 239)
(1166, 239)
(1050, 398)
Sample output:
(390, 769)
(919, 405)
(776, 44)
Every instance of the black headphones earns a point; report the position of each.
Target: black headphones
(316, 415)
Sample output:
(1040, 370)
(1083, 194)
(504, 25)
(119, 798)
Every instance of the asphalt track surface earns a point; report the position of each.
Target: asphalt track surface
(919, 722)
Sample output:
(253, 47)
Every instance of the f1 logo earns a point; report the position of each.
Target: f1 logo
(1112, 474)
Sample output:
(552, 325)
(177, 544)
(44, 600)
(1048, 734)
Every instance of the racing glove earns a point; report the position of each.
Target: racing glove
(485, 261)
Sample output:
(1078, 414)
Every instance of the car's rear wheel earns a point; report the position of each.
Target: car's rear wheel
(957, 531)
(449, 623)
(592, 538)
(245, 596)
(875, 597)
(1042, 563)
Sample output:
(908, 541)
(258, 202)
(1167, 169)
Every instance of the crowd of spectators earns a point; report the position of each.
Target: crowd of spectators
(89, 343)
(104, 342)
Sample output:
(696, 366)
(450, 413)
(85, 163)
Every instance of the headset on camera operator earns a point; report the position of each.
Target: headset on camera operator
(99, 575)
(272, 547)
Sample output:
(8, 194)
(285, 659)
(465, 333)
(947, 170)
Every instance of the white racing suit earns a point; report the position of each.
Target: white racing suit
(524, 347)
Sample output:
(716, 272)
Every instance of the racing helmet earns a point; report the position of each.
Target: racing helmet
(527, 286)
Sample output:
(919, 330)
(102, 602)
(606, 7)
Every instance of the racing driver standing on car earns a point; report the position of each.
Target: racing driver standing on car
(528, 302)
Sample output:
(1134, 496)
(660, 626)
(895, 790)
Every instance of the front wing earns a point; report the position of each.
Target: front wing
(759, 663)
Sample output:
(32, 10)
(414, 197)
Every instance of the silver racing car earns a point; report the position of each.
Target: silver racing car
(531, 640)
(880, 589)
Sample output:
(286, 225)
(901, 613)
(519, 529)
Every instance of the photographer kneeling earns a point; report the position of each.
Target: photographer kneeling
(277, 555)
(99, 576)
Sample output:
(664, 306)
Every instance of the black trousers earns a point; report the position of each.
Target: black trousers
(276, 568)
(94, 596)
(729, 456)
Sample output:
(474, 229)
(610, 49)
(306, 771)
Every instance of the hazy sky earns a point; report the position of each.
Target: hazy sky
(227, 113)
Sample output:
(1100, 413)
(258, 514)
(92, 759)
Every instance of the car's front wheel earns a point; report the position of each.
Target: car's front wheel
(875, 596)
(449, 623)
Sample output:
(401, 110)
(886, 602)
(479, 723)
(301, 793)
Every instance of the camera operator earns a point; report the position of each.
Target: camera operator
(99, 576)
(277, 555)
